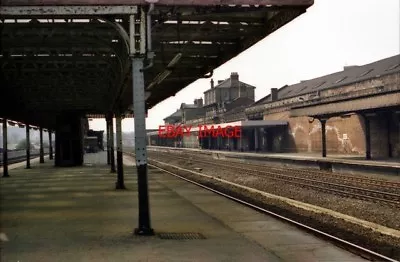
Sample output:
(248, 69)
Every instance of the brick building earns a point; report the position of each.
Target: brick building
(355, 111)
(224, 102)
(352, 104)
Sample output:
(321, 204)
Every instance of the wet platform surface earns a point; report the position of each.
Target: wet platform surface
(75, 214)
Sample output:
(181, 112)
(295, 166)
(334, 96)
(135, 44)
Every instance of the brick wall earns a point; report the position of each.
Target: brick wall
(303, 134)
(344, 135)
(395, 135)
(380, 131)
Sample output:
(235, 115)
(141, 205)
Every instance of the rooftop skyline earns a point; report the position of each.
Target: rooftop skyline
(329, 36)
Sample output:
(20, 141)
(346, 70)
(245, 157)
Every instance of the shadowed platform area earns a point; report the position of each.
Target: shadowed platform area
(74, 214)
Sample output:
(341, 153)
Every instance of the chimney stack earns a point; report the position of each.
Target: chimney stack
(212, 83)
(235, 76)
(198, 102)
(274, 94)
(234, 79)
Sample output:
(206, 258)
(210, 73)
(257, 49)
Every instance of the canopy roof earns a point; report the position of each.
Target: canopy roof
(72, 56)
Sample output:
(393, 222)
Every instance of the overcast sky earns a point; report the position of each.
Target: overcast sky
(330, 35)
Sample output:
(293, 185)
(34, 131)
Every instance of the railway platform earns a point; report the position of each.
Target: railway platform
(335, 163)
(75, 214)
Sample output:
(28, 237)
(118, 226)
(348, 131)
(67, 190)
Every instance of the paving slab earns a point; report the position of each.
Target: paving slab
(75, 214)
(286, 242)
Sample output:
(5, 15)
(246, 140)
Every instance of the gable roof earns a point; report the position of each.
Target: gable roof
(185, 106)
(177, 114)
(349, 75)
(194, 113)
(238, 103)
(227, 83)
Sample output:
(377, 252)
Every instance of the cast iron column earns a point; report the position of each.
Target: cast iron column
(323, 132)
(241, 140)
(144, 227)
(139, 99)
(389, 137)
(108, 139)
(5, 149)
(28, 147)
(50, 146)
(367, 138)
(120, 176)
(112, 157)
(256, 139)
(41, 153)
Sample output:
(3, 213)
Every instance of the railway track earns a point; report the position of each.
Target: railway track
(18, 159)
(388, 186)
(357, 249)
(291, 176)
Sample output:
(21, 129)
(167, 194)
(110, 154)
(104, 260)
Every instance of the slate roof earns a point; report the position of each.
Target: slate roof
(349, 75)
(177, 114)
(238, 103)
(194, 113)
(235, 110)
(227, 84)
(183, 105)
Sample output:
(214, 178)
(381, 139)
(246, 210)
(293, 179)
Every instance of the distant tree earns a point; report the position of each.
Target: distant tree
(22, 145)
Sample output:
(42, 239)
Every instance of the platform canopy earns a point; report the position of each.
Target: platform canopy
(60, 56)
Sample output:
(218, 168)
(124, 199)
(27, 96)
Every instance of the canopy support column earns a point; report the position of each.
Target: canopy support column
(120, 175)
(139, 107)
(28, 147)
(41, 152)
(5, 149)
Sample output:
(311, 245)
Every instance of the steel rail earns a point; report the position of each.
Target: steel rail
(333, 176)
(361, 193)
(349, 245)
(19, 159)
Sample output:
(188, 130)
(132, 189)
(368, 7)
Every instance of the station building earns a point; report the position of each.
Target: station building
(355, 111)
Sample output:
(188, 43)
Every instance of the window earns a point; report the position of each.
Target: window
(226, 95)
(318, 85)
(340, 80)
(392, 67)
(303, 88)
(366, 72)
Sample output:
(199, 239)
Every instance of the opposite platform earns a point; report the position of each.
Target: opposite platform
(335, 163)
(74, 214)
